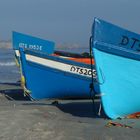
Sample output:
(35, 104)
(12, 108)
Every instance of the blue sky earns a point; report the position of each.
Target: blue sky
(65, 21)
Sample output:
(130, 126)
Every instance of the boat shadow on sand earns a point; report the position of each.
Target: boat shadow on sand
(82, 108)
(75, 107)
(13, 91)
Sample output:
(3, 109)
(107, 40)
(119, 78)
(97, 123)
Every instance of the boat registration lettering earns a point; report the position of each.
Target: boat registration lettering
(132, 43)
(30, 46)
(83, 71)
(35, 47)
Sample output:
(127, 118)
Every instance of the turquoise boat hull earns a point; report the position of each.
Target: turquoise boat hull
(117, 61)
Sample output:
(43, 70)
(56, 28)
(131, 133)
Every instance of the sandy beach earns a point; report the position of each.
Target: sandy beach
(22, 119)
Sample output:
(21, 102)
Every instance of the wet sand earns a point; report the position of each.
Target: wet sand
(22, 119)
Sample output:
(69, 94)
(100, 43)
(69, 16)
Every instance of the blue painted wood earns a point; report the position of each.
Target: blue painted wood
(46, 82)
(116, 54)
(108, 33)
(33, 43)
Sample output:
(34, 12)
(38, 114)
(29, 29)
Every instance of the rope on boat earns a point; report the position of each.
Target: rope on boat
(92, 90)
(23, 81)
(27, 93)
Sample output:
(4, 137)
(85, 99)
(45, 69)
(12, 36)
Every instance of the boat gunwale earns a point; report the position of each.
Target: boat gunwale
(56, 58)
(116, 50)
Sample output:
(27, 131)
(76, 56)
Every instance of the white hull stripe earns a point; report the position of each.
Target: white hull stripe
(17, 53)
(61, 66)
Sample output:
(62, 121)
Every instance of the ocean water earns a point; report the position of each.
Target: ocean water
(9, 72)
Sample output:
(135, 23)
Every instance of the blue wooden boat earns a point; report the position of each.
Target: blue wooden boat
(50, 76)
(30, 42)
(117, 59)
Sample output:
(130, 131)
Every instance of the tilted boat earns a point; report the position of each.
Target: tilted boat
(117, 59)
(53, 75)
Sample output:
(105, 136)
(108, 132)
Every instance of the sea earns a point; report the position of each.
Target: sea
(9, 72)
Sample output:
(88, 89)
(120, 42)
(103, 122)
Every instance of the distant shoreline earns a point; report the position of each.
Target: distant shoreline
(68, 47)
(6, 44)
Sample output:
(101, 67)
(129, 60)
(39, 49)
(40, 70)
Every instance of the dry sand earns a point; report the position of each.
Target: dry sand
(21, 119)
